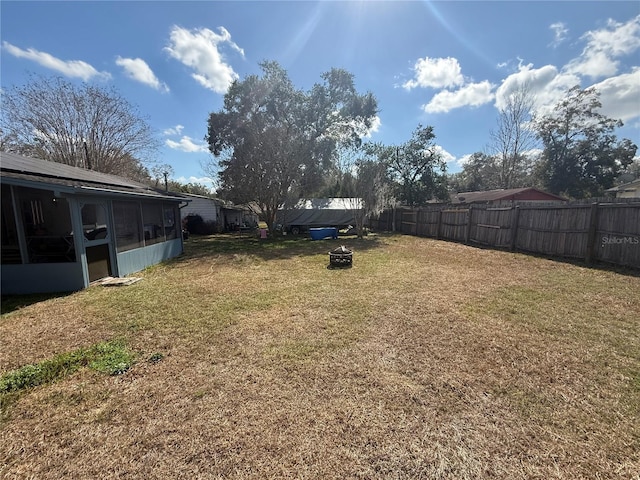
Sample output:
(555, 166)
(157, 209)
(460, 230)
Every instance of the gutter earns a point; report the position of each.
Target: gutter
(129, 194)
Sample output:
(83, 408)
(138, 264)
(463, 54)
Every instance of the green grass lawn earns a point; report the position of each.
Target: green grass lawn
(252, 359)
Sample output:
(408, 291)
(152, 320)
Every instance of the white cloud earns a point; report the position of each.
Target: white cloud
(533, 153)
(206, 181)
(186, 144)
(605, 46)
(446, 156)
(463, 160)
(555, 89)
(69, 68)
(546, 85)
(436, 73)
(620, 96)
(138, 70)
(177, 130)
(375, 127)
(593, 64)
(473, 94)
(560, 31)
(200, 50)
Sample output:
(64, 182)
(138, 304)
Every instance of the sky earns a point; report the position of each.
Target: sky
(449, 64)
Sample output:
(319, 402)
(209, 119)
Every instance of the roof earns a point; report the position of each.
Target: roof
(74, 179)
(514, 194)
(328, 204)
(217, 201)
(626, 187)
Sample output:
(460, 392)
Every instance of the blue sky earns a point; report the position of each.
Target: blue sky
(445, 64)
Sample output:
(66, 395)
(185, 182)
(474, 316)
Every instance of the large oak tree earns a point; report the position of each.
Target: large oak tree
(581, 155)
(274, 142)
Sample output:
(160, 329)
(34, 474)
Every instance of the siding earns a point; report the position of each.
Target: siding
(205, 207)
(42, 278)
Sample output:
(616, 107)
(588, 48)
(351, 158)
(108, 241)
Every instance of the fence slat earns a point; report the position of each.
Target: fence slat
(607, 232)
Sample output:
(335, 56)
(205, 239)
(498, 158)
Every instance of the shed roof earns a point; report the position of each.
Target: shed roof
(503, 194)
(334, 203)
(29, 169)
(626, 187)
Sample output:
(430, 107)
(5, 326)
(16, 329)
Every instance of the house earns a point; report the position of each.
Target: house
(626, 190)
(224, 216)
(65, 227)
(238, 217)
(503, 197)
(208, 208)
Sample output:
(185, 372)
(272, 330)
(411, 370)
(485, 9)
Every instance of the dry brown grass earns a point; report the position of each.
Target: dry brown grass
(425, 360)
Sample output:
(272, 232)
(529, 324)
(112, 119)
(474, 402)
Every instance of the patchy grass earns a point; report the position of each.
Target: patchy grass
(112, 358)
(426, 359)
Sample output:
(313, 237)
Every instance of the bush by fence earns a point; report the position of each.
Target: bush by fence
(608, 232)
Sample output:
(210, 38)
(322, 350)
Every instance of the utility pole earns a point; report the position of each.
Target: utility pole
(86, 155)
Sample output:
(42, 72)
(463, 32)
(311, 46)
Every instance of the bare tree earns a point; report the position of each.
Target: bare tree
(161, 173)
(364, 184)
(513, 137)
(84, 126)
(374, 190)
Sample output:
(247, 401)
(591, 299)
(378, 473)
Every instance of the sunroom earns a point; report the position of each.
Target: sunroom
(64, 228)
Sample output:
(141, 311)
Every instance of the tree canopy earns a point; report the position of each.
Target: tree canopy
(83, 125)
(415, 168)
(480, 172)
(275, 142)
(581, 155)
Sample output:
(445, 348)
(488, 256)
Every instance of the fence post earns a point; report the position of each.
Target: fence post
(439, 224)
(467, 235)
(593, 228)
(393, 219)
(514, 226)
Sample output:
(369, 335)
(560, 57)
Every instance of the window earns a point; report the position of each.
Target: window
(94, 221)
(10, 245)
(128, 225)
(47, 226)
(170, 227)
(152, 223)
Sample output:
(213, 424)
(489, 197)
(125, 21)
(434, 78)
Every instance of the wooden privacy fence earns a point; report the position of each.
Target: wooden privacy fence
(608, 232)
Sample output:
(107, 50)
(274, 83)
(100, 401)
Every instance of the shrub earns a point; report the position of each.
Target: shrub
(193, 222)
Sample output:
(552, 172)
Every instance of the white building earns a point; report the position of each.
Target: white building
(208, 208)
(627, 190)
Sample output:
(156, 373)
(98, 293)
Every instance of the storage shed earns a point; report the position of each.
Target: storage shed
(65, 227)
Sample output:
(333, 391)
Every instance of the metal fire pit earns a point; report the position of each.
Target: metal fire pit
(340, 257)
